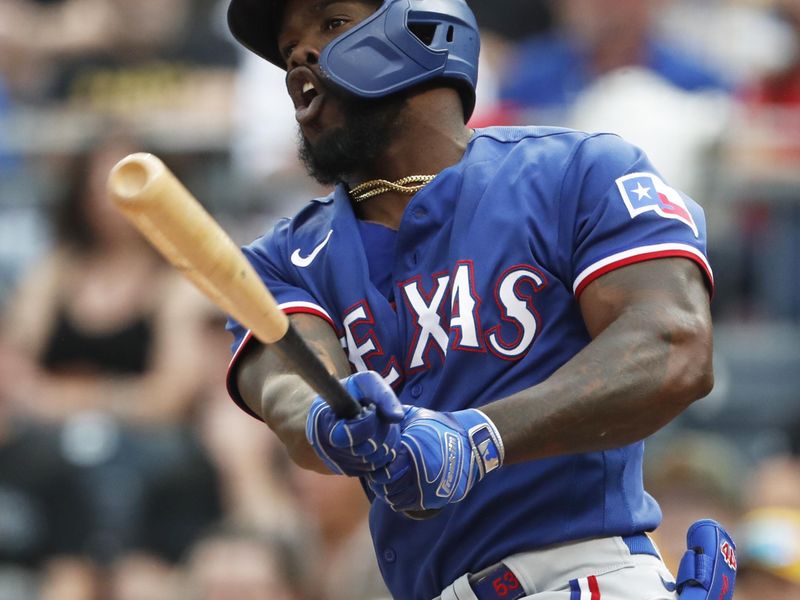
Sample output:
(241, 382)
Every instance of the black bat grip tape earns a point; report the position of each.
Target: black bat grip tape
(310, 368)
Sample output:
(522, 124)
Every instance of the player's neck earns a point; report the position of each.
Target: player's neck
(432, 137)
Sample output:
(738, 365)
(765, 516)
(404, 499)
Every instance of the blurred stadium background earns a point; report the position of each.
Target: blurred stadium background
(126, 474)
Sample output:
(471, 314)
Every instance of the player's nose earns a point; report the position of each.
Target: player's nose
(303, 54)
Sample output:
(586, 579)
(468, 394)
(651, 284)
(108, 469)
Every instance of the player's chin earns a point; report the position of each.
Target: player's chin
(317, 147)
(315, 135)
(324, 121)
(311, 136)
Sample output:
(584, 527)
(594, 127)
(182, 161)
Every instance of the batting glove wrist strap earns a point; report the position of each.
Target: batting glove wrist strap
(486, 444)
(441, 457)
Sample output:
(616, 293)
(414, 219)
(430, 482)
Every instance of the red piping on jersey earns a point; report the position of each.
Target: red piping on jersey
(230, 384)
(623, 262)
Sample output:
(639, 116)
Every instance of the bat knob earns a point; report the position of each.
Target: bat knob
(422, 515)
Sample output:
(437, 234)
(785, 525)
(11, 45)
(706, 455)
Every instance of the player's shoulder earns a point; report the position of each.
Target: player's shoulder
(544, 135)
(311, 219)
(552, 145)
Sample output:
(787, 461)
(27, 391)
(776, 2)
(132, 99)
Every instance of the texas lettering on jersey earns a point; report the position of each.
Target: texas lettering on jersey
(449, 311)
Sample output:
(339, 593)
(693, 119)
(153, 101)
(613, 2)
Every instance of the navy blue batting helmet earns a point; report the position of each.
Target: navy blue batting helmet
(404, 43)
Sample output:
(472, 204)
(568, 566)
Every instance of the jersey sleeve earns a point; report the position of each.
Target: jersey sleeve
(616, 210)
(272, 263)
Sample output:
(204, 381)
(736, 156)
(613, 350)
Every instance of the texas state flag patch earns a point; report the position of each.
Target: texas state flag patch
(643, 192)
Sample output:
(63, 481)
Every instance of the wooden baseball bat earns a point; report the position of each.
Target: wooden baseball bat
(172, 219)
(175, 223)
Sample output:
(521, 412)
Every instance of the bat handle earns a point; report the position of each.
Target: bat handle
(310, 368)
(326, 385)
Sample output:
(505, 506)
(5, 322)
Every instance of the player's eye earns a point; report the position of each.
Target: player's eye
(334, 23)
(286, 51)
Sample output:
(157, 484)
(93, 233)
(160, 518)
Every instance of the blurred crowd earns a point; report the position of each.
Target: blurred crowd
(125, 471)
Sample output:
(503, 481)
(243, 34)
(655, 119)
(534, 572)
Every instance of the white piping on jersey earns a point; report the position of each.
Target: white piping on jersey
(289, 307)
(286, 307)
(665, 249)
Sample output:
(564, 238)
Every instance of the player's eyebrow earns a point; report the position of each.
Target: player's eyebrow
(323, 4)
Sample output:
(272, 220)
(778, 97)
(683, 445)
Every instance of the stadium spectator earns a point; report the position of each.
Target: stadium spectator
(103, 340)
(139, 576)
(6, 159)
(503, 25)
(233, 563)
(768, 536)
(340, 565)
(98, 323)
(70, 579)
(693, 476)
(514, 20)
(248, 458)
(764, 151)
(741, 38)
(45, 514)
(44, 509)
(591, 39)
(782, 87)
(110, 55)
(34, 35)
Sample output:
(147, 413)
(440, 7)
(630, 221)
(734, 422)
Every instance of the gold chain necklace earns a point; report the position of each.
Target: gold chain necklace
(407, 185)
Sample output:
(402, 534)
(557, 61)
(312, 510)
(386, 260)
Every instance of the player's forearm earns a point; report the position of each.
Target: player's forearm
(637, 375)
(281, 398)
(285, 401)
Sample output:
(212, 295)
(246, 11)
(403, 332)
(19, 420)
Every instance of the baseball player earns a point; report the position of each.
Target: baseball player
(515, 308)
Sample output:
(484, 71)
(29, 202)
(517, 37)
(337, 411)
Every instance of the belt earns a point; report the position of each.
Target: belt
(498, 582)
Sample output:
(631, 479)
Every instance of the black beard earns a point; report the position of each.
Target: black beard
(369, 127)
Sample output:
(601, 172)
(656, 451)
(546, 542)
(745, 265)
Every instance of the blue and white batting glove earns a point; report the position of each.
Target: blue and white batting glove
(442, 456)
(357, 446)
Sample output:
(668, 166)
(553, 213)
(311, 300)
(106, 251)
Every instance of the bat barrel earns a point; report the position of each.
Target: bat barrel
(167, 214)
(153, 199)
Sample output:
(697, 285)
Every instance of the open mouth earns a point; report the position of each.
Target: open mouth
(306, 92)
(309, 92)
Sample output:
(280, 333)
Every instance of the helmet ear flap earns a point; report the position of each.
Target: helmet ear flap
(405, 43)
(426, 33)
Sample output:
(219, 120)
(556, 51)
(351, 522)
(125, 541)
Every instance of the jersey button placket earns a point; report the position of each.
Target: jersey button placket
(419, 213)
(416, 390)
(389, 555)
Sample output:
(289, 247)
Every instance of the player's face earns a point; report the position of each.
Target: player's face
(307, 27)
(339, 132)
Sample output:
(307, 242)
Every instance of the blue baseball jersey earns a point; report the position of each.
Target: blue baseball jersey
(488, 264)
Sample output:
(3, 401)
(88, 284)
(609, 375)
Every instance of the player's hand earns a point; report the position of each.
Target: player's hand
(442, 455)
(360, 445)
